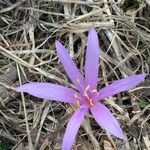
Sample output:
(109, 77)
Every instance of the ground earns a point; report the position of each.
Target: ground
(28, 30)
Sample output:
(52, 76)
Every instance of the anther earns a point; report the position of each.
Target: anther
(85, 94)
(91, 102)
(77, 97)
(87, 88)
(94, 91)
(78, 104)
(78, 80)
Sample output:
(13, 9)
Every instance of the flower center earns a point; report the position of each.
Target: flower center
(87, 95)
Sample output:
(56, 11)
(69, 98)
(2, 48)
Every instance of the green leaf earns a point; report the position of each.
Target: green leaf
(4, 144)
(143, 103)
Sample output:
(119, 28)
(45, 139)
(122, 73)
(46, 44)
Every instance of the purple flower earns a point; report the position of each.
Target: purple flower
(85, 97)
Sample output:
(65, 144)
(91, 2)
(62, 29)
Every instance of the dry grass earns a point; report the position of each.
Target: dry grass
(28, 30)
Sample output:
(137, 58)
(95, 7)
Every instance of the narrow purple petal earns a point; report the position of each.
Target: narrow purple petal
(70, 67)
(120, 85)
(49, 91)
(105, 119)
(73, 127)
(92, 59)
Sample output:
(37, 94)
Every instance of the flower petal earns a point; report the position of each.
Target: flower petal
(120, 85)
(49, 91)
(92, 59)
(70, 67)
(105, 119)
(73, 127)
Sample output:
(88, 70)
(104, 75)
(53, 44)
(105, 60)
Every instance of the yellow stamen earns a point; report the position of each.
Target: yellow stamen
(78, 104)
(91, 102)
(77, 97)
(85, 94)
(78, 80)
(94, 91)
(87, 88)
